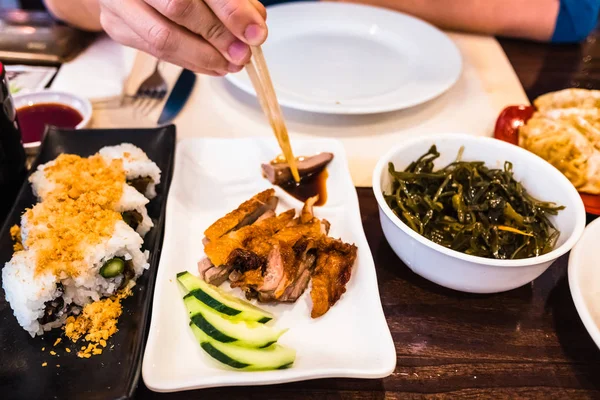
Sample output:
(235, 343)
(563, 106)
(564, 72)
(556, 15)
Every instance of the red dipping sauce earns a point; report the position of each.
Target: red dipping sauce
(33, 119)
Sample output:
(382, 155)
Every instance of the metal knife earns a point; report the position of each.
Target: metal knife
(178, 97)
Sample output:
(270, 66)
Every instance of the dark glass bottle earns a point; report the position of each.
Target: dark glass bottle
(12, 154)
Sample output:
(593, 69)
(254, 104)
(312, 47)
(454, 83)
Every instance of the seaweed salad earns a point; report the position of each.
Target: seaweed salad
(473, 209)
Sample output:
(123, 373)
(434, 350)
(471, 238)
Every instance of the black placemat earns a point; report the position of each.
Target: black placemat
(115, 373)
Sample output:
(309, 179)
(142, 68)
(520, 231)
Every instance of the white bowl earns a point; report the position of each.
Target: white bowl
(584, 279)
(82, 105)
(469, 273)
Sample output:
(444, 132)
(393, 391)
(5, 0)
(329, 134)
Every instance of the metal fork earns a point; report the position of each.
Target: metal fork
(151, 92)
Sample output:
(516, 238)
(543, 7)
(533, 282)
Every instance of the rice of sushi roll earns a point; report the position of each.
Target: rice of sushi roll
(142, 173)
(66, 175)
(33, 298)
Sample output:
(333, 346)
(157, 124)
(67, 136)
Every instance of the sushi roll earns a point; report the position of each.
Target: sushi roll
(108, 266)
(142, 173)
(65, 176)
(42, 296)
(36, 299)
(80, 244)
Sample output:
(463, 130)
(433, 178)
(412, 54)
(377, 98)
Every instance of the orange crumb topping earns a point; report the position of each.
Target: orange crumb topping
(61, 230)
(77, 176)
(96, 323)
(76, 214)
(15, 234)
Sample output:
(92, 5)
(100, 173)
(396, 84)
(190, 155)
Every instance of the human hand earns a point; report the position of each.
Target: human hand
(205, 36)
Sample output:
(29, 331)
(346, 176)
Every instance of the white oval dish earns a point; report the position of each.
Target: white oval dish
(339, 58)
(584, 279)
(82, 105)
(173, 359)
(469, 273)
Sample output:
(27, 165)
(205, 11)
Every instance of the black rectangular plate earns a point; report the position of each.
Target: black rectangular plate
(114, 374)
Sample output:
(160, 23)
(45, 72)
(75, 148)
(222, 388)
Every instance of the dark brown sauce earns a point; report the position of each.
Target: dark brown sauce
(33, 119)
(310, 186)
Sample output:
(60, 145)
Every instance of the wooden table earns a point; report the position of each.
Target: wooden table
(528, 342)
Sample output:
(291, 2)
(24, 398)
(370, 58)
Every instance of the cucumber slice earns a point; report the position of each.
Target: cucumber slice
(113, 267)
(273, 357)
(221, 301)
(226, 330)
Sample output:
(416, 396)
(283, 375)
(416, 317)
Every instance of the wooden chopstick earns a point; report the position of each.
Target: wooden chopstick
(253, 74)
(261, 80)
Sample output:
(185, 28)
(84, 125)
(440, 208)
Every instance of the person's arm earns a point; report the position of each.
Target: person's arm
(528, 19)
(83, 14)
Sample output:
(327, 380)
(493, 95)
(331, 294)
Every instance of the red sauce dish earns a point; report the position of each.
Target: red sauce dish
(34, 118)
(507, 129)
(37, 110)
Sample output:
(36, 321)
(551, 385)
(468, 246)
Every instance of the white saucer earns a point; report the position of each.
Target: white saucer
(584, 279)
(353, 59)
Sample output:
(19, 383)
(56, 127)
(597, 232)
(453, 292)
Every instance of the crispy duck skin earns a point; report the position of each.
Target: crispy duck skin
(275, 257)
(332, 273)
(239, 261)
(246, 214)
(250, 279)
(218, 251)
(244, 260)
(294, 233)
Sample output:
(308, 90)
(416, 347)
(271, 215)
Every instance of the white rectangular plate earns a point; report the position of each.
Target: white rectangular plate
(212, 177)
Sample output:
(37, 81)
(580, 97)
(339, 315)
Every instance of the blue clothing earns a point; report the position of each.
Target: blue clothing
(576, 19)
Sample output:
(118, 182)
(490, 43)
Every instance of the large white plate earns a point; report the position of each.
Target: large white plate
(212, 177)
(584, 279)
(354, 59)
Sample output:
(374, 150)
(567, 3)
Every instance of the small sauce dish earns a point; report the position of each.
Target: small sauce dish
(37, 110)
